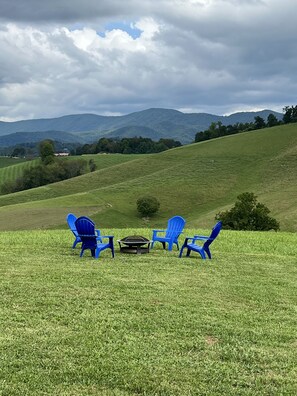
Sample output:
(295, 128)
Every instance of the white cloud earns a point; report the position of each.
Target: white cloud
(213, 55)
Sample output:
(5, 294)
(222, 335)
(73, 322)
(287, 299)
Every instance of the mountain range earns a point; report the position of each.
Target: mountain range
(152, 123)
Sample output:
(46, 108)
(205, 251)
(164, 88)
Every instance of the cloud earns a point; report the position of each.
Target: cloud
(197, 55)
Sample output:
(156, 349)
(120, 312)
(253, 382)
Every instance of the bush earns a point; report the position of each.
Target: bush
(248, 214)
(148, 205)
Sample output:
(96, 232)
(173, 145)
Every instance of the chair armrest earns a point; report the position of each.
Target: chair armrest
(156, 231)
(107, 236)
(197, 238)
(201, 237)
(188, 239)
(98, 232)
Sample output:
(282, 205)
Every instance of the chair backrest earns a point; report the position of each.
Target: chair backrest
(214, 233)
(86, 231)
(71, 222)
(175, 227)
(85, 226)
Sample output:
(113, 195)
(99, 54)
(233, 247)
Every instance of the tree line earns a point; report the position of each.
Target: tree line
(135, 145)
(217, 129)
(50, 170)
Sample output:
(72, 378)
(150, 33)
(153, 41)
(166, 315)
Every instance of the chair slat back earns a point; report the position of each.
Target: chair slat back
(86, 230)
(175, 226)
(214, 233)
(85, 226)
(71, 223)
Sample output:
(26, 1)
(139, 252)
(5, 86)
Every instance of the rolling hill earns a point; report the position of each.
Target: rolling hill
(151, 123)
(194, 181)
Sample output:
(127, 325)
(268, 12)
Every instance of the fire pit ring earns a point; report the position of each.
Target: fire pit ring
(135, 244)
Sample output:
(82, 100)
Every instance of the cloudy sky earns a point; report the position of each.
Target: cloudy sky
(115, 57)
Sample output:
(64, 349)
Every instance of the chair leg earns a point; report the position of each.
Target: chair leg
(164, 246)
(181, 252)
(74, 243)
(202, 254)
(207, 252)
(188, 252)
(112, 251)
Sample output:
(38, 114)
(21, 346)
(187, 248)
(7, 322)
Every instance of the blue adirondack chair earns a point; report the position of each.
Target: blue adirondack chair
(89, 238)
(175, 227)
(71, 223)
(201, 249)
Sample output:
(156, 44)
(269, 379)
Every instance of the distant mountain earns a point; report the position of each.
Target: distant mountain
(152, 123)
(33, 137)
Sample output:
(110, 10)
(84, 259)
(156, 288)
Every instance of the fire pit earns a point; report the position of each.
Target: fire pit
(134, 244)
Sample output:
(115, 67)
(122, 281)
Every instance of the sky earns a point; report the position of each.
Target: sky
(116, 57)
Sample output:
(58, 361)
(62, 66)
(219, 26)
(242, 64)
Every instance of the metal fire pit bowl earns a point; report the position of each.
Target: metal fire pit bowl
(135, 244)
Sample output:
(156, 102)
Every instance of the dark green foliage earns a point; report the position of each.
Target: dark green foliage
(248, 214)
(18, 152)
(42, 174)
(272, 120)
(290, 114)
(92, 165)
(136, 145)
(47, 151)
(147, 205)
(217, 129)
(259, 123)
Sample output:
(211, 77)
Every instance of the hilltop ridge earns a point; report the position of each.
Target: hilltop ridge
(154, 123)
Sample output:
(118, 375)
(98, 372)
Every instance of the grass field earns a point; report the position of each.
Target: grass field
(148, 325)
(195, 181)
(12, 168)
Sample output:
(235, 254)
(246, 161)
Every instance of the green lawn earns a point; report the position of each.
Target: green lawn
(148, 325)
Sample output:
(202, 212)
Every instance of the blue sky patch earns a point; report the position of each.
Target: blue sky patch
(125, 26)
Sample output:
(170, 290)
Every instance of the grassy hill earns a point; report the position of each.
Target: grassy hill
(12, 168)
(195, 181)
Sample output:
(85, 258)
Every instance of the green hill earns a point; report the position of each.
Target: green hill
(195, 181)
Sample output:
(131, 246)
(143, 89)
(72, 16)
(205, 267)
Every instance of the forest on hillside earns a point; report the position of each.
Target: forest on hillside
(217, 129)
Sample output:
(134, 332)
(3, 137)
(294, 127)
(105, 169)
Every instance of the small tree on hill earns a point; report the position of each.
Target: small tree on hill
(259, 123)
(92, 165)
(147, 205)
(248, 214)
(47, 152)
(272, 120)
(290, 114)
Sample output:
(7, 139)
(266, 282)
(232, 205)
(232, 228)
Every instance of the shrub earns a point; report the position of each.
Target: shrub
(148, 205)
(248, 214)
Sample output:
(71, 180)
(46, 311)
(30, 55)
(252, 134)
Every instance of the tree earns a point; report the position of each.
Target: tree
(92, 165)
(259, 123)
(290, 114)
(18, 152)
(47, 152)
(272, 120)
(147, 205)
(248, 214)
